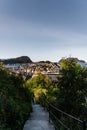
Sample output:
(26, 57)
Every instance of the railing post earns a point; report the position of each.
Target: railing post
(44, 105)
(84, 125)
(49, 111)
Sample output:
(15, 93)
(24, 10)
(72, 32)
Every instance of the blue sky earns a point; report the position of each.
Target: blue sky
(43, 29)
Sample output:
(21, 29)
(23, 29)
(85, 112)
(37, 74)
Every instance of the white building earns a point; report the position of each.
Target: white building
(53, 76)
(12, 66)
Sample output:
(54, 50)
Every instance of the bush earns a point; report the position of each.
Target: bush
(15, 101)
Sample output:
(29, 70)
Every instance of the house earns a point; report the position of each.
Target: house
(12, 67)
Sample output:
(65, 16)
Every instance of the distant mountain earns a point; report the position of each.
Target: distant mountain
(22, 59)
(76, 59)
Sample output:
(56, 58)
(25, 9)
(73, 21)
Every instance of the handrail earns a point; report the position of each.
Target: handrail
(60, 122)
(66, 114)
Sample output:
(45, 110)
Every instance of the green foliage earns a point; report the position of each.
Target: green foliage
(15, 101)
(40, 85)
(1, 64)
(52, 94)
(39, 81)
(72, 85)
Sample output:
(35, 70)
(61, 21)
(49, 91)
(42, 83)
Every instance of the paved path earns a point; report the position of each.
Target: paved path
(39, 120)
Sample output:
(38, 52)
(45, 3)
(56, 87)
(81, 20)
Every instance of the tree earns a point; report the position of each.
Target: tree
(39, 85)
(72, 85)
(15, 101)
(1, 64)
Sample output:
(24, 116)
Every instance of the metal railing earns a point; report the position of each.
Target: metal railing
(62, 120)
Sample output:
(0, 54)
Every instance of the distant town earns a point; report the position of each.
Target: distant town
(23, 65)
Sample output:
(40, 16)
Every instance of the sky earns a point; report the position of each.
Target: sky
(43, 29)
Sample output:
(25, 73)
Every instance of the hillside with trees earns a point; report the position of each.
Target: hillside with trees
(15, 101)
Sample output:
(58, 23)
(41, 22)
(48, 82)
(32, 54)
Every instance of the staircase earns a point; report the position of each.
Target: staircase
(38, 120)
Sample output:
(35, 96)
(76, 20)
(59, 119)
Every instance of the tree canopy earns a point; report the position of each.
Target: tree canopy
(72, 85)
(40, 85)
(15, 101)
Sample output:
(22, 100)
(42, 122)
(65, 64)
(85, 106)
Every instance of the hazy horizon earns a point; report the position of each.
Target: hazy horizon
(43, 29)
(42, 59)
